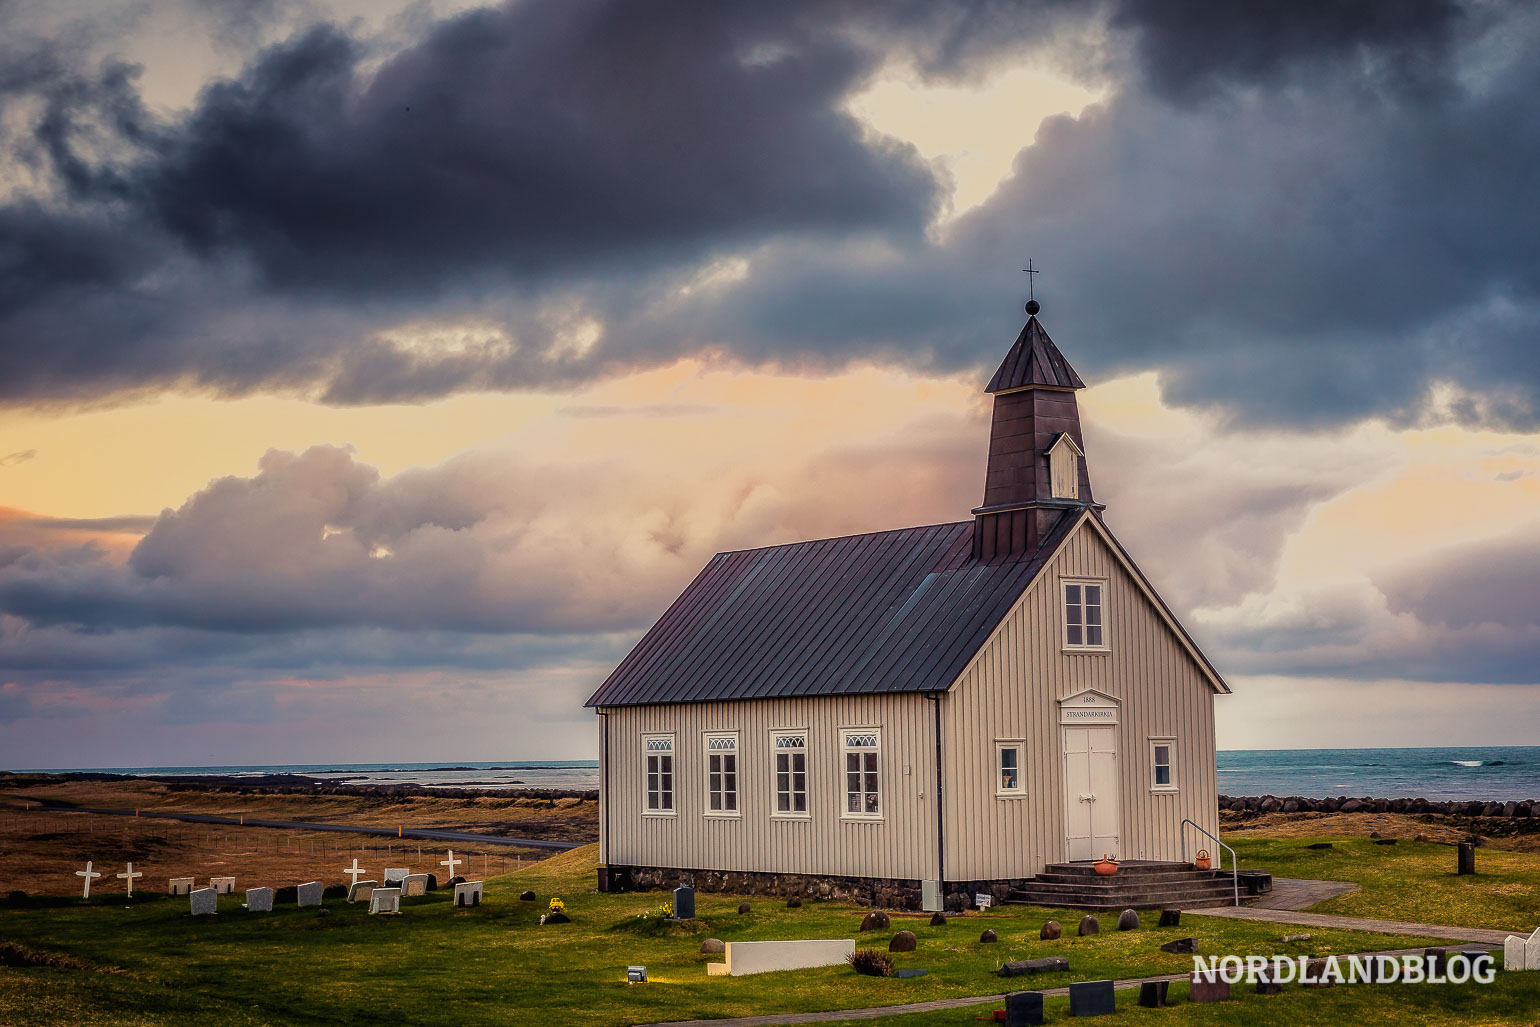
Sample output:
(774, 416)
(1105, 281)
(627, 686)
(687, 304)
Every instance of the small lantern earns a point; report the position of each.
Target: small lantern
(636, 975)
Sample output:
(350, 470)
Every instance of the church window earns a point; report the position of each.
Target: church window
(1160, 764)
(1008, 779)
(658, 757)
(1084, 627)
(790, 752)
(863, 781)
(722, 775)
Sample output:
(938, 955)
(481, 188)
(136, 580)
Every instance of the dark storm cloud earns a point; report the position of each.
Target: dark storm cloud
(1307, 213)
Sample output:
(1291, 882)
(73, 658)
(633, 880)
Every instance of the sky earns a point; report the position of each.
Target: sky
(372, 375)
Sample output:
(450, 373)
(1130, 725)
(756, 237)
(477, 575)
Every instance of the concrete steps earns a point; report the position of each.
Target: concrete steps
(1134, 886)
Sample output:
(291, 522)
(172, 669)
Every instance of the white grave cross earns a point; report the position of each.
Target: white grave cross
(354, 872)
(89, 875)
(451, 862)
(129, 877)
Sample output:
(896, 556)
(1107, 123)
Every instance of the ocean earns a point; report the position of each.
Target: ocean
(1486, 772)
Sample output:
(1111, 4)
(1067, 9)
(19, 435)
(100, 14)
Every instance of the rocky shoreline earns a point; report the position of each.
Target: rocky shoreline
(1472, 817)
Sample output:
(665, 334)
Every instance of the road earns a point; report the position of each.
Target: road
(429, 833)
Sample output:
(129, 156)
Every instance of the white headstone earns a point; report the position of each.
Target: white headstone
(414, 885)
(181, 885)
(360, 890)
(223, 885)
(309, 893)
(204, 901)
(385, 900)
(395, 875)
(468, 893)
(129, 876)
(354, 872)
(90, 875)
(1515, 953)
(1532, 951)
(451, 862)
(259, 900)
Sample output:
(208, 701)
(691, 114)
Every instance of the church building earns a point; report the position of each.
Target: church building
(913, 716)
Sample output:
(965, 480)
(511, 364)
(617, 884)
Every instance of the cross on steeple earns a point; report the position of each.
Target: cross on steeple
(1032, 305)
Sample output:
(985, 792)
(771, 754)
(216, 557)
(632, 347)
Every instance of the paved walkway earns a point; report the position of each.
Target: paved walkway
(1354, 923)
(874, 1012)
(1299, 893)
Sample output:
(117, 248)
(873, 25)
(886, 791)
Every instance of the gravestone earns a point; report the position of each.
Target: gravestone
(876, 920)
(359, 891)
(684, 903)
(1024, 1008)
(468, 893)
(938, 919)
(909, 972)
(1152, 994)
(414, 886)
(451, 863)
(395, 875)
(743, 907)
(1022, 967)
(1182, 946)
(354, 872)
(1434, 959)
(384, 900)
(1051, 930)
(223, 885)
(1170, 918)
(1207, 986)
(1092, 998)
(1315, 975)
(181, 885)
(90, 875)
(1475, 959)
(1466, 861)
(795, 902)
(1089, 925)
(308, 894)
(204, 901)
(1319, 845)
(1532, 951)
(712, 946)
(903, 941)
(526, 896)
(989, 937)
(129, 876)
(1128, 921)
(1266, 985)
(259, 900)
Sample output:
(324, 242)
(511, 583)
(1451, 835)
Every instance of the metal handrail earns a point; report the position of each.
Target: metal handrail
(1235, 865)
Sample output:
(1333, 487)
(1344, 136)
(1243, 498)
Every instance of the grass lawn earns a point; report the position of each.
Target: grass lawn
(151, 963)
(1410, 881)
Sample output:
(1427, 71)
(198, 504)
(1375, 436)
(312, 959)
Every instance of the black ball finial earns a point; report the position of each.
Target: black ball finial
(1033, 307)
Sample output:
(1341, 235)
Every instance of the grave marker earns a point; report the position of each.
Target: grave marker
(129, 876)
(354, 872)
(309, 893)
(1024, 1008)
(1092, 998)
(204, 901)
(451, 862)
(1207, 986)
(395, 875)
(360, 890)
(684, 903)
(181, 885)
(90, 875)
(384, 900)
(223, 885)
(468, 893)
(259, 900)
(1152, 994)
(414, 886)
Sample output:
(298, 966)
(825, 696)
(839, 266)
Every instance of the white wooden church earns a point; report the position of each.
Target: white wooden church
(923, 711)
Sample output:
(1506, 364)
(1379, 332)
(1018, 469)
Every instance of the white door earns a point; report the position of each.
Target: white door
(1091, 792)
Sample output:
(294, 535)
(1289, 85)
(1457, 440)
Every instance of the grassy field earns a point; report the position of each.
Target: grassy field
(151, 963)
(1409, 881)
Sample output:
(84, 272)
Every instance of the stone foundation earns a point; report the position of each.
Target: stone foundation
(882, 892)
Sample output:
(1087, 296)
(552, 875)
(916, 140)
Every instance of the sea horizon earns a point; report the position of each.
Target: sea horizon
(1472, 772)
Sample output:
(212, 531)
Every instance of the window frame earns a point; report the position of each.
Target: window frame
(1169, 741)
(673, 774)
(736, 752)
(845, 751)
(1020, 791)
(776, 751)
(1064, 625)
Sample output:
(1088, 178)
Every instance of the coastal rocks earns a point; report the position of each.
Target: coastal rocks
(1352, 806)
(1051, 931)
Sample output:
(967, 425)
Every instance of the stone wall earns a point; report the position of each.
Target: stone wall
(884, 893)
(1493, 819)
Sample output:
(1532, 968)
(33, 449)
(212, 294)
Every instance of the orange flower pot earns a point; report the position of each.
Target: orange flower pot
(1107, 866)
(1201, 860)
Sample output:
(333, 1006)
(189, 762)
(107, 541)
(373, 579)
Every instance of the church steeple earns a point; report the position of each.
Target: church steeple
(1037, 469)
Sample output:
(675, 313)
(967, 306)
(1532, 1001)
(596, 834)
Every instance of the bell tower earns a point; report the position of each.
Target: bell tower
(1037, 468)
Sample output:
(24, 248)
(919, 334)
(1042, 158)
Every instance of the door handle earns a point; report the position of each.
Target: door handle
(1088, 798)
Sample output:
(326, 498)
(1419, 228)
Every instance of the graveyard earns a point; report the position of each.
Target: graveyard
(114, 959)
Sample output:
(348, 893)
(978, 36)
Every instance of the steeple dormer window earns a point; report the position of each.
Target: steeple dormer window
(1064, 468)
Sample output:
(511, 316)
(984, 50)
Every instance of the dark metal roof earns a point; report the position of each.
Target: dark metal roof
(891, 611)
(1034, 360)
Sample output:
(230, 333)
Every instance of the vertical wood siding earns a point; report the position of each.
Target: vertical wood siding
(901, 845)
(1011, 691)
